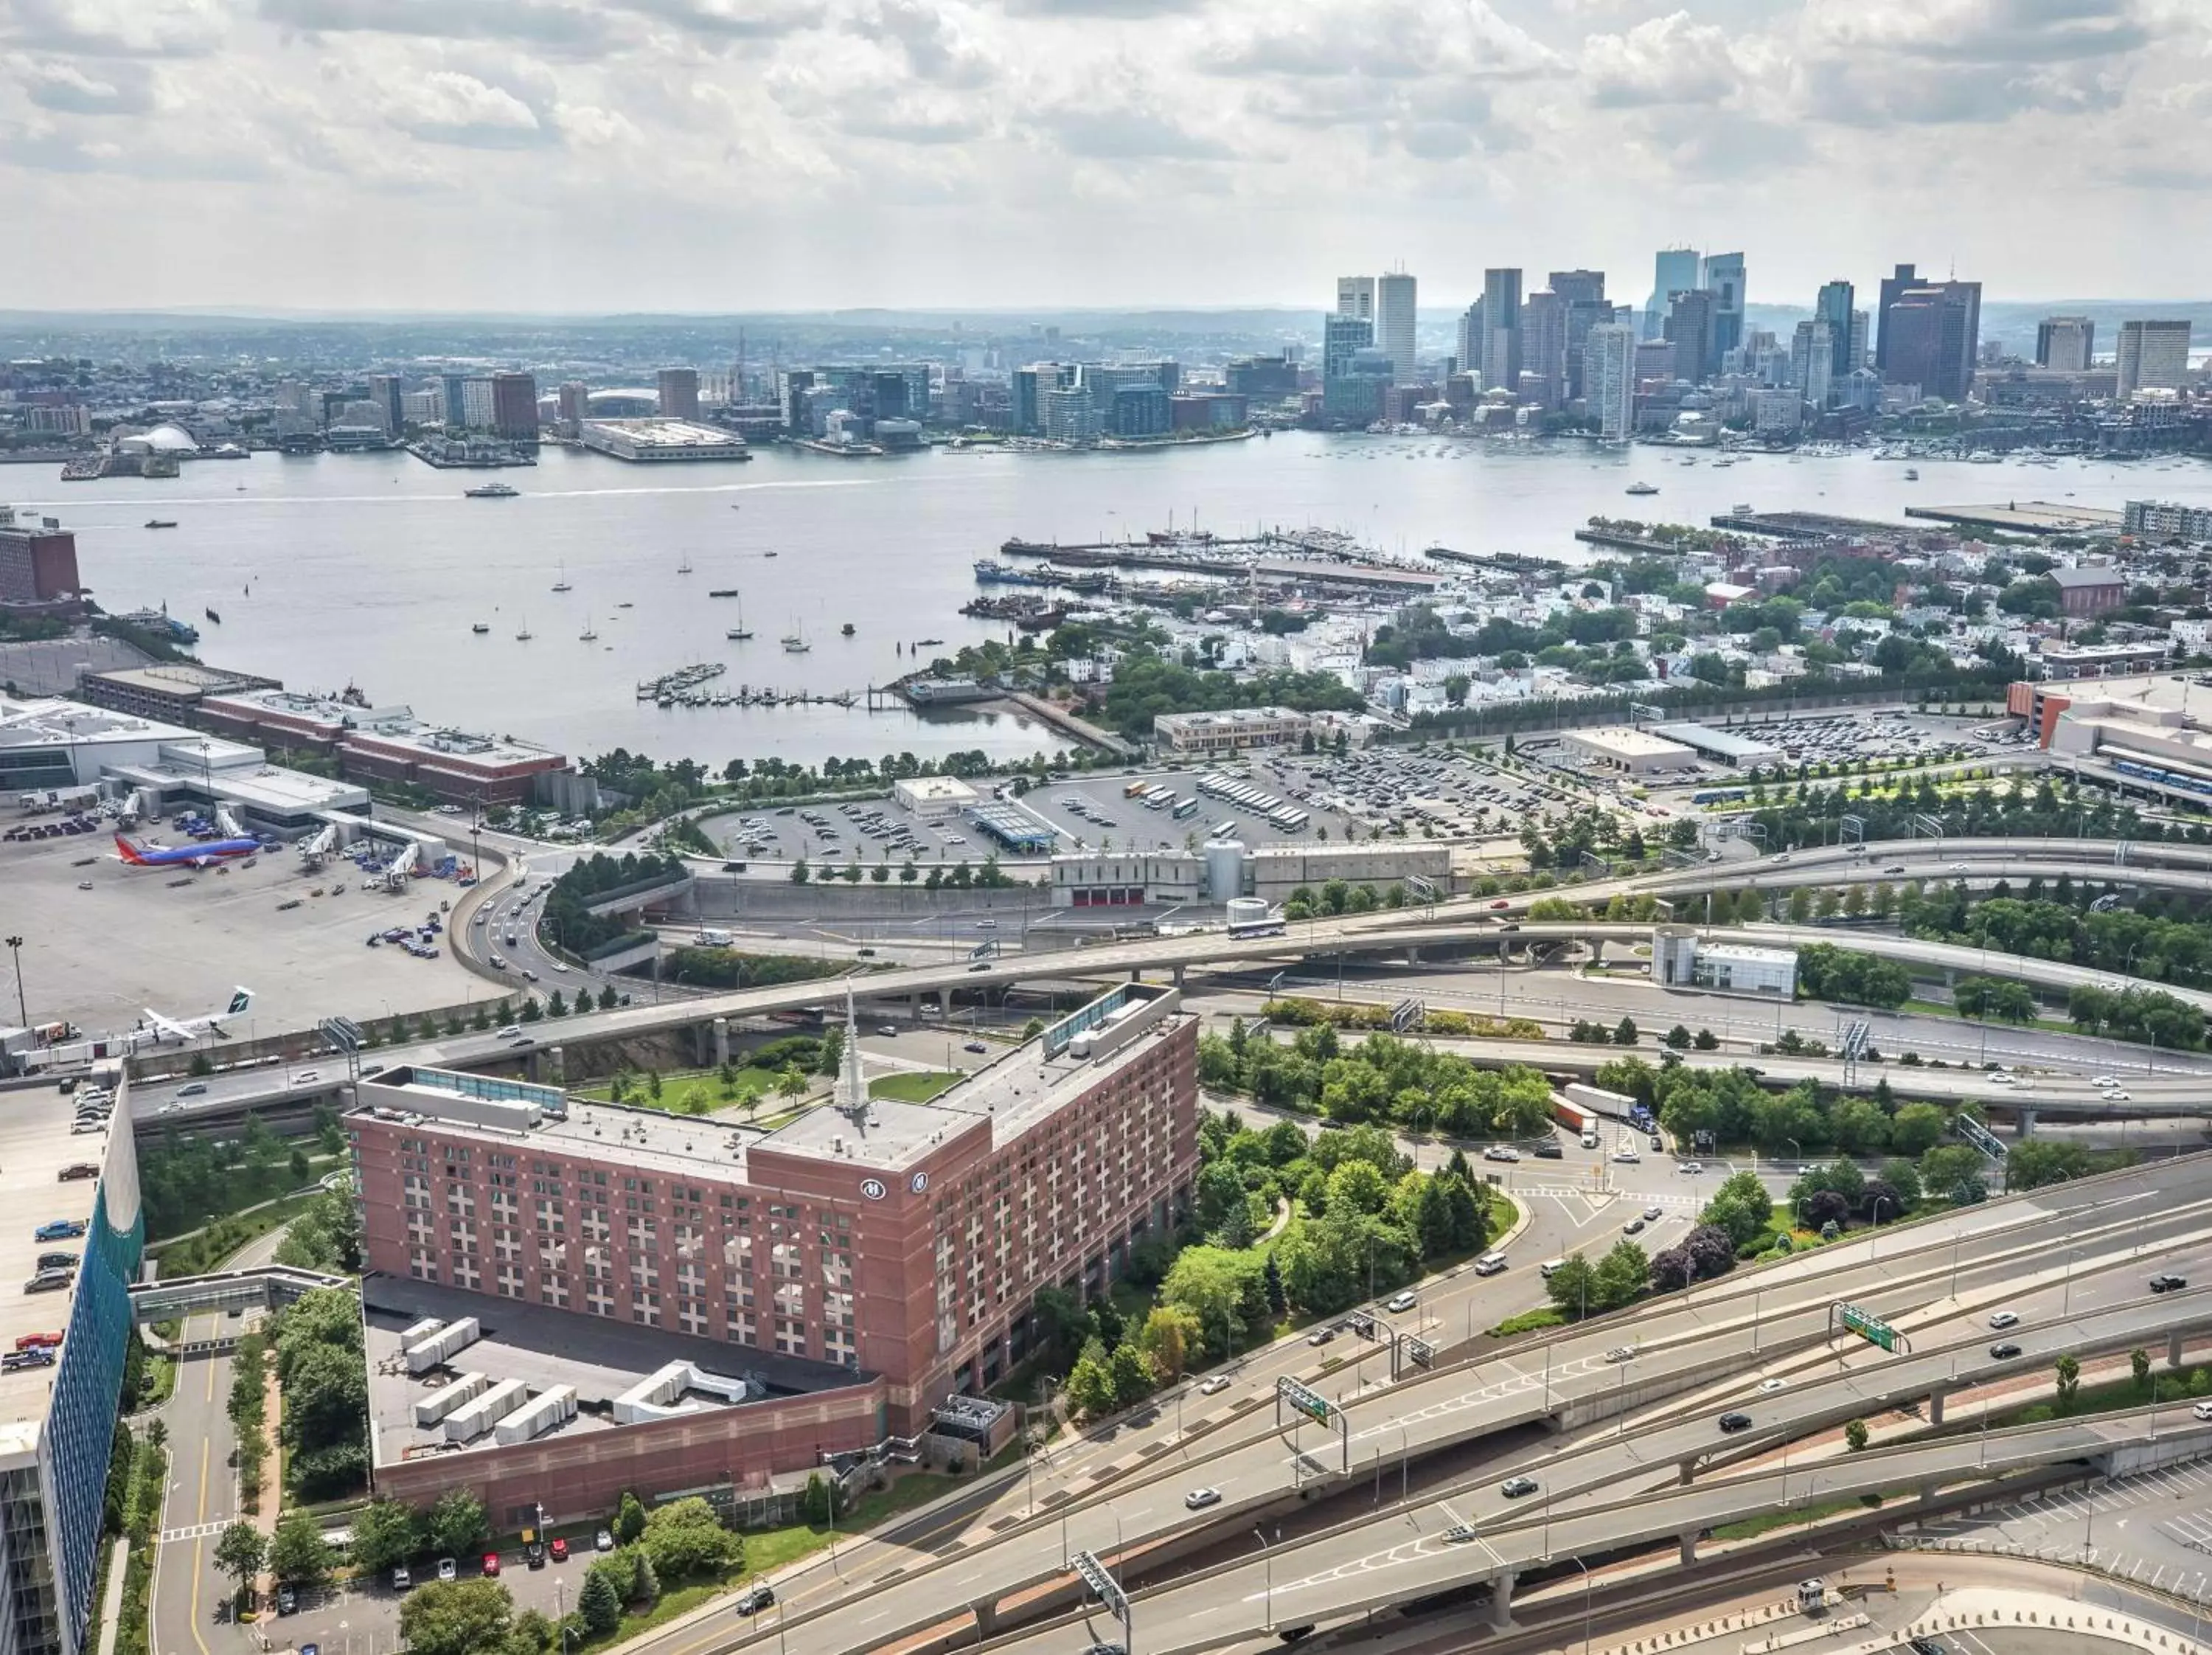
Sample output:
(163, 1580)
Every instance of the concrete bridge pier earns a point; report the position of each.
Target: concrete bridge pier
(1685, 1472)
(556, 1066)
(1501, 1602)
(1178, 977)
(987, 1619)
(1936, 1407)
(2026, 1123)
(1688, 1541)
(721, 1041)
(1412, 957)
(2173, 1348)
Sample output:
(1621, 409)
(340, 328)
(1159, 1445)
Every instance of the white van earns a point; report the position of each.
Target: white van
(1490, 1264)
(509, 1032)
(1548, 1266)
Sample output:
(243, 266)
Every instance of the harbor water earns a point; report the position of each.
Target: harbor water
(373, 568)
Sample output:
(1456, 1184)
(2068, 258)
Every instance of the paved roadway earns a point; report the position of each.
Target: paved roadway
(1984, 1256)
(189, 1610)
(1452, 923)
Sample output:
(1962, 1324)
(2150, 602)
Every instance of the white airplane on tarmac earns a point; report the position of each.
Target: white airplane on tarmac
(186, 1030)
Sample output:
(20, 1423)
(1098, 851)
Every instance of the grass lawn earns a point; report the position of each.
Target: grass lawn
(914, 1087)
(1767, 1522)
(694, 1092)
(161, 1381)
(769, 1549)
(1548, 1316)
(680, 1600)
(245, 1186)
(2174, 1384)
(202, 1250)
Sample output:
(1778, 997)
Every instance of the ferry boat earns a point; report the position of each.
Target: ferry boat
(160, 522)
(1643, 488)
(492, 491)
(480, 629)
(927, 643)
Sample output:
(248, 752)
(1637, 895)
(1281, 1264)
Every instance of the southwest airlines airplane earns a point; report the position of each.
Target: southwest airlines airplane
(200, 856)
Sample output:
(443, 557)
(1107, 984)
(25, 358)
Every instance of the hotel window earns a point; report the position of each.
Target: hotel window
(596, 1299)
(692, 1316)
(737, 1254)
(554, 1292)
(505, 1244)
(645, 1308)
(421, 1266)
(466, 1274)
(644, 1235)
(790, 1337)
(510, 1281)
(740, 1327)
(549, 1219)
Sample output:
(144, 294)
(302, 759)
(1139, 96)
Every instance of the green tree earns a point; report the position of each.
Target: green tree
(241, 1553)
(1132, 1374)
(297, 1552)
(456, 1617)
(2038, 1162)
(791, 1083)
(385, 1532)
(1621, 1276)
(1089, 1385)
(1916, 1129)
(1573, 1286)
(2068, 1385)
(599, 1604)
(455, 1523)
(1170, 1333)
(1855, 1435)
(685, 1538)
(1625, 1032)
(2139, 1361)
(630, 1520)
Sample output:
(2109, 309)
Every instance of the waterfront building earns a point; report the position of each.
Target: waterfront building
(38, 560)
(1355, 298)
(1071, 414)
(680, 392)
(1031, 386)
(1207, 410)
(2067, 344)
(1544, 349)
(1609, 373)
(454, 400)
(1583, 293)
(2154, 357)
(1469, 358)
(1675, 271)
(1197, 734)
(1833, 305)
(1928, 333)
(575, 406)
(1689, 328)
(384, 393)
(1723, 276)
(659, 440)
(1263, 378)
(1136, 411)
(1395, 294)
(2163, 520)
(476, 412)
(1811, 359)
(1501, 331)
(1856, 354)
(514, 407)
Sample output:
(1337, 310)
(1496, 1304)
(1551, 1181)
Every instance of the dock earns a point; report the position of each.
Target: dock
(2036, 517)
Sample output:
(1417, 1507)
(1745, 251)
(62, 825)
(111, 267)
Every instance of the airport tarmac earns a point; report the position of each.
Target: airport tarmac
(179, 940)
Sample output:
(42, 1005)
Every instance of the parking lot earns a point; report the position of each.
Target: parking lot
(102, 942)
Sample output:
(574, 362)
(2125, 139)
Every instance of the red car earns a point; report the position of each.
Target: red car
(491, 1565)
(1502, 902)
(560, 1550)
(38, 1342)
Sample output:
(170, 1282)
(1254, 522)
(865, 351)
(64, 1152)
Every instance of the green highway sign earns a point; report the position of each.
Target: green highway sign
(1869, 1326)
(1311, 1404)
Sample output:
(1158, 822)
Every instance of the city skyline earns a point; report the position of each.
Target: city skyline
(716, 156)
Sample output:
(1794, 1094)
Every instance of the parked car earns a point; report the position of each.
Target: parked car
(448, 1569)
(402, 1578)
(560, 1550)
(604, 1540)
(491, 1565)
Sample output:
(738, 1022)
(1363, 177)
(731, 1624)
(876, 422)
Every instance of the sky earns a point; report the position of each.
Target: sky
(719, 155)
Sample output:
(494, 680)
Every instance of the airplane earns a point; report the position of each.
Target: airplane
(201, 855)
(191, 1028)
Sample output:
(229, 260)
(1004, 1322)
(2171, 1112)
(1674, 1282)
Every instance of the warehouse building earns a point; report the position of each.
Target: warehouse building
(1726, 746)
(1634, 752)
(1680, 958)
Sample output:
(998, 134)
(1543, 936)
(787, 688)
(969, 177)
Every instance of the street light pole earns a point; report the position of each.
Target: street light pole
(16, 950)
(1584, 1567)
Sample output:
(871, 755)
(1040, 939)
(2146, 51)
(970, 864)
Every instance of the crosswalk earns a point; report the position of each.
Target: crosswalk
(197, 1531)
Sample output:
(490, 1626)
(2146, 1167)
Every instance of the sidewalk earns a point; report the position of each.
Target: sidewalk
(111, 1601)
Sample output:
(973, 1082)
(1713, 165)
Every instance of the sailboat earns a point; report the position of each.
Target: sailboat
(684, 568)
(794, 641)
(740, 632)
(562, 585)
(588, 635)
(522, 634)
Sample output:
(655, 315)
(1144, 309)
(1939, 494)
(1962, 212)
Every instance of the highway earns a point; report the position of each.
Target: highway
(1453, 924)
(2052, 1243)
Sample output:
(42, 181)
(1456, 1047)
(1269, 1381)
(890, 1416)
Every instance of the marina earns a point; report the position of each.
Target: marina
(891, 549)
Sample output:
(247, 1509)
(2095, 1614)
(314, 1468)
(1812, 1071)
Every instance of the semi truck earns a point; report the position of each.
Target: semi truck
(1578, 1121)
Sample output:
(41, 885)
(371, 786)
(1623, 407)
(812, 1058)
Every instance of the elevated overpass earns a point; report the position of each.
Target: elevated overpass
(1454, 926)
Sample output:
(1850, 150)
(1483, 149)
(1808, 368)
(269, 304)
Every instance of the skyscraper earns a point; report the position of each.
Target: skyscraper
(1858, 344)
(2154, 355)
(515, 406)
(384, 393)
(1501, 329)
(1930, 334)
(1723, 275)
(1470, 340)
(2065, 342)
(1544, 346)
(1812, 361)
(1676, 272)
(1609, 374)
(1355, 297)
(1394, 323)
(1583, 292)
(1833, 307)
(454, 395)
(1689, 329)
(680, 392)
(1342, 336)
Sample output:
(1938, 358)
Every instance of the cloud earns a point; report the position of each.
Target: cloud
(512, 20)
(1114, 132)
(729, 19)
(114, 88)
(122, 28)
(1663, 60)
(447, 106)
(1389, 39)
(940, 46)
(1984, 31)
